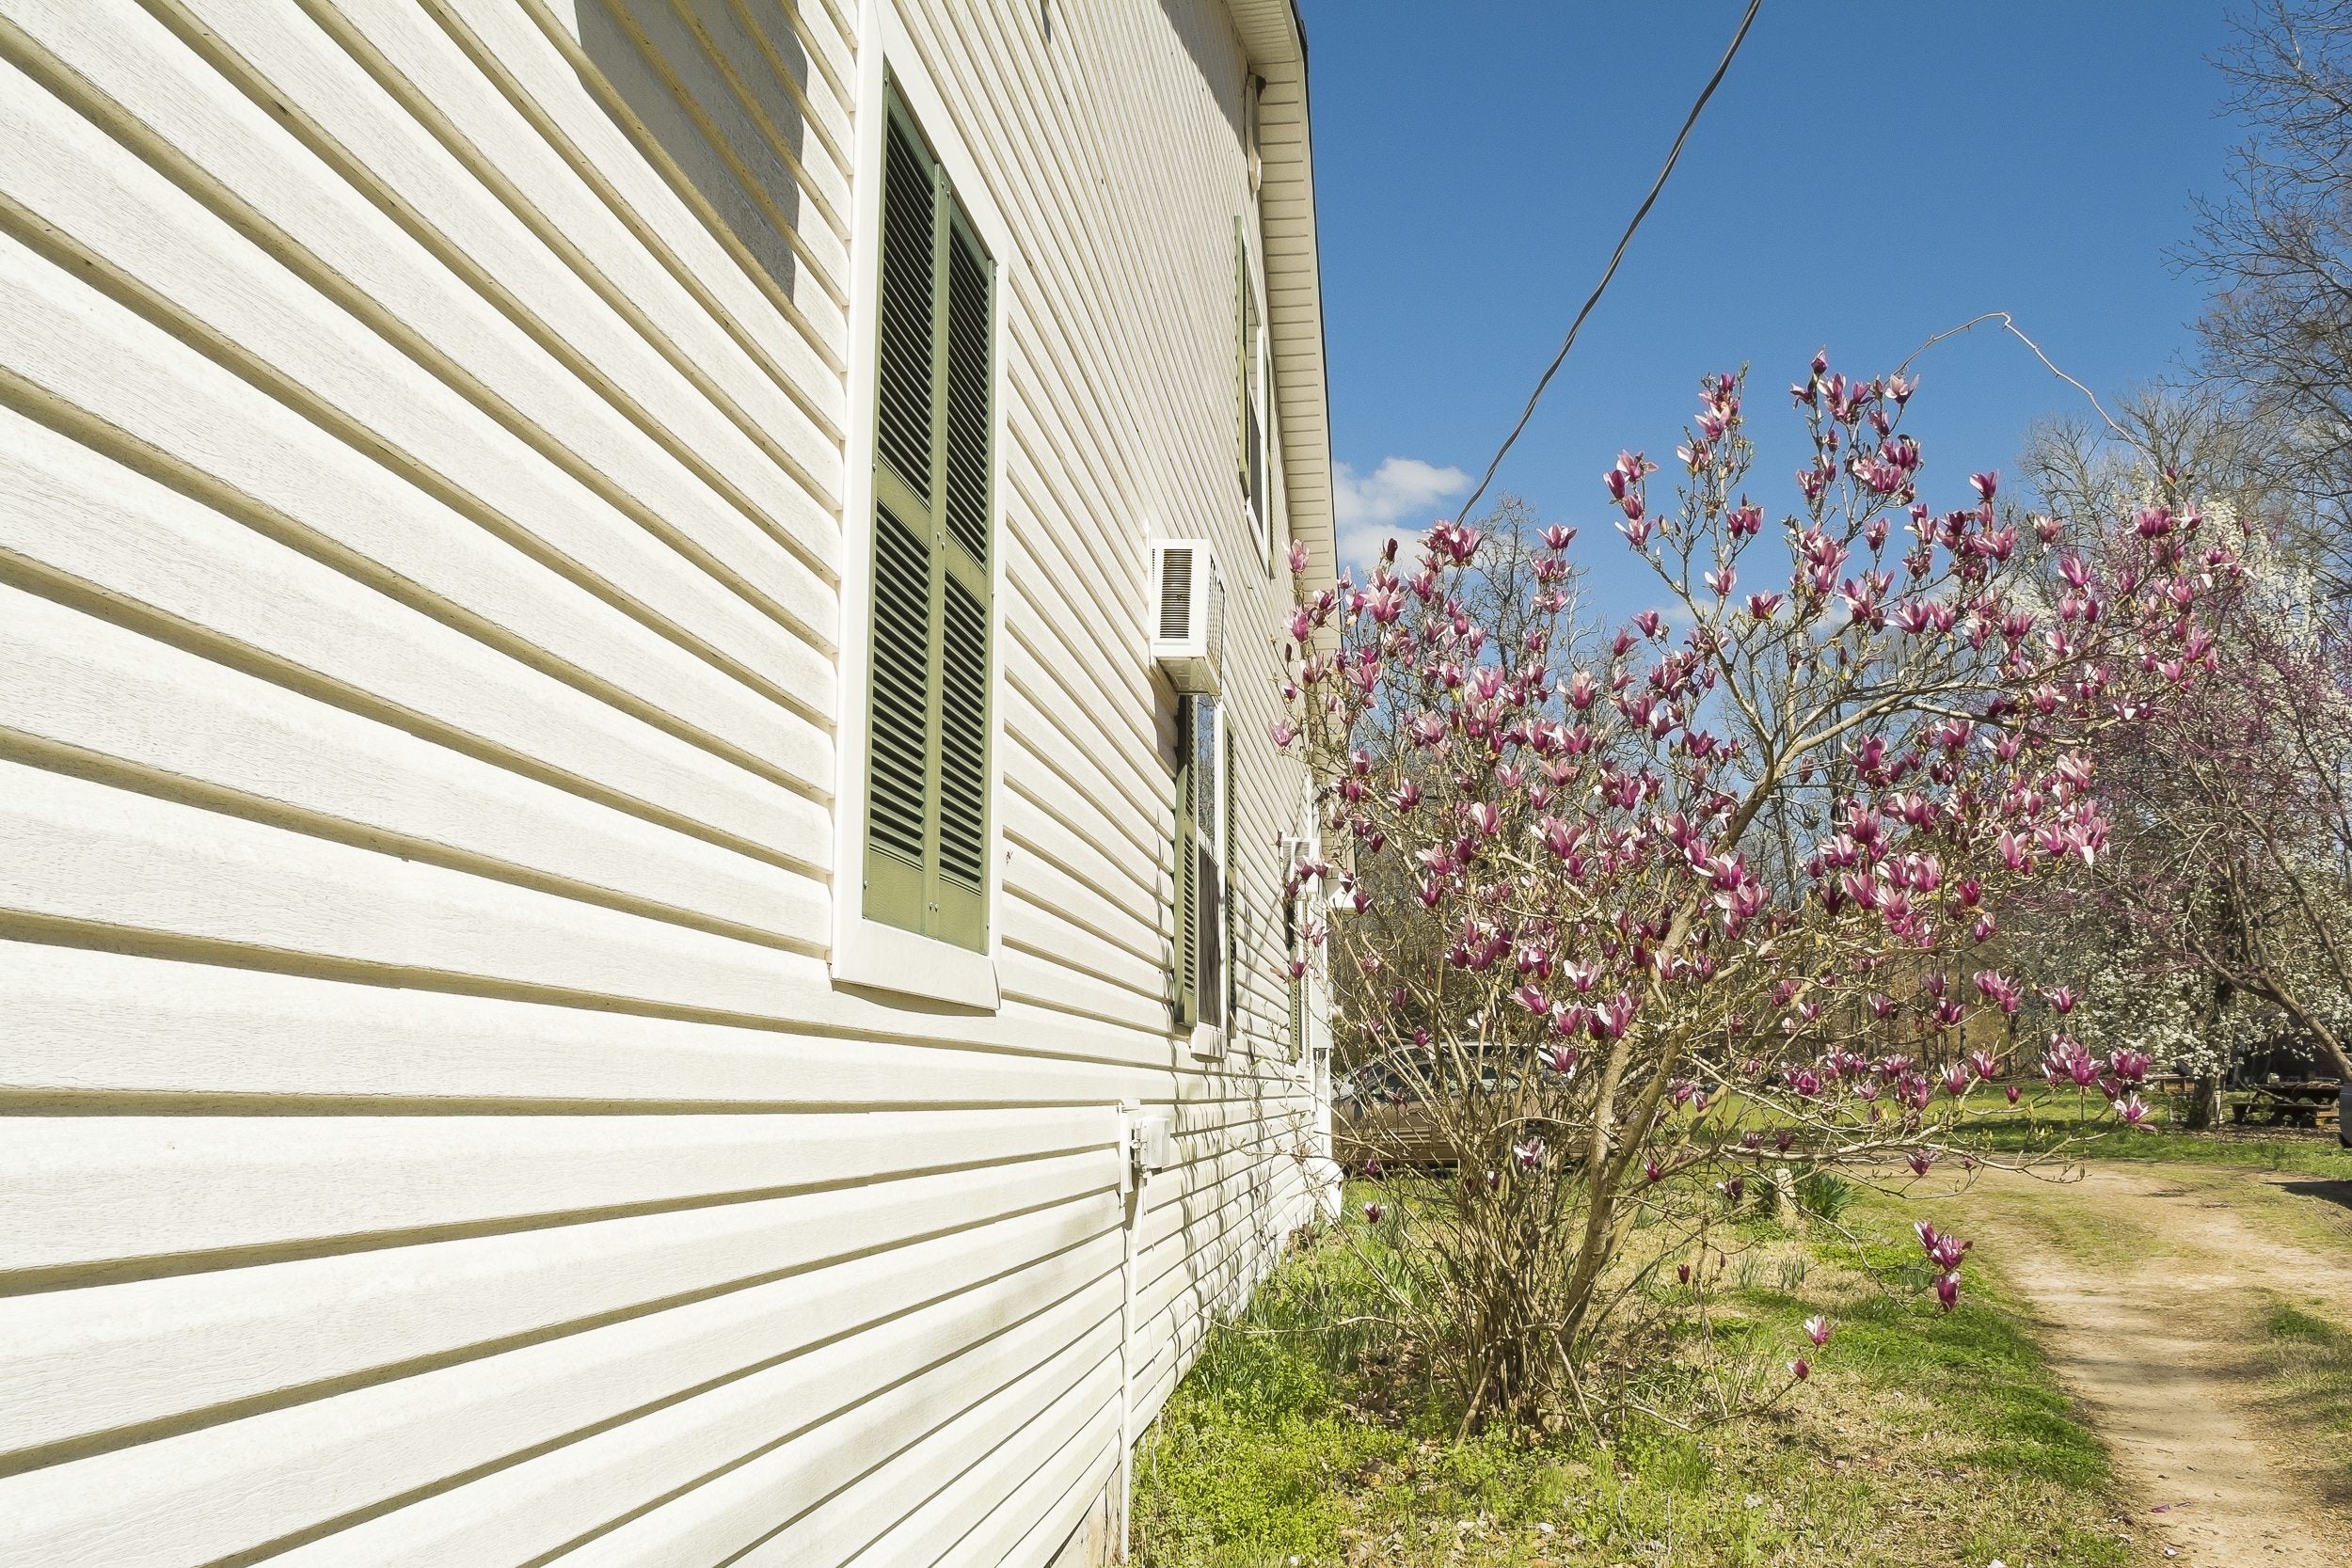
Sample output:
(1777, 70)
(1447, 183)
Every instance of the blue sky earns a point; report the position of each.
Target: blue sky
(1867, 175)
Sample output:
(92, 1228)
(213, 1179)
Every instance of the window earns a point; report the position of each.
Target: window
(1205, 977)
(928, 701)
(1251, 378)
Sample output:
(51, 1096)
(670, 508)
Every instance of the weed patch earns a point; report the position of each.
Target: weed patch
(1922, 1437)
(2308, 1363)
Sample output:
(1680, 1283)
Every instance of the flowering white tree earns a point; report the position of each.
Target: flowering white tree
(2223, 920)
(1634, 924)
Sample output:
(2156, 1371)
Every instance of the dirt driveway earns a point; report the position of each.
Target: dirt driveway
(2152, 1285)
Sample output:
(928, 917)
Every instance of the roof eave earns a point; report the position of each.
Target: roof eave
(1275, 40)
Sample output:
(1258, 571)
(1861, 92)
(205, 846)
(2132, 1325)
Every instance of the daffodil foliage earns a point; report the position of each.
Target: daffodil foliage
(1625, 918)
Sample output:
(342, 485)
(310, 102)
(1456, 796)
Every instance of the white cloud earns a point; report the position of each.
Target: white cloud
(1397, 498)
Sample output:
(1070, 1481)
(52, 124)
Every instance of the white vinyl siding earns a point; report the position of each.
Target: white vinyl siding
(433, 1132)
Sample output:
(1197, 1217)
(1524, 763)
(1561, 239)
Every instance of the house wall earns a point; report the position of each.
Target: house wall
(433, 1132)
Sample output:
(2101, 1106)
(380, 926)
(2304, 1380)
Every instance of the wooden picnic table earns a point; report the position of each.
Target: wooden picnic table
(2298, 1102)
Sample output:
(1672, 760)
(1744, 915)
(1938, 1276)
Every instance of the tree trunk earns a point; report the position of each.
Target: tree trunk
(2204, 1103)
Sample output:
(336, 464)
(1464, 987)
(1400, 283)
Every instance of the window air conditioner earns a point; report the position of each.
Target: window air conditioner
(1188, 613)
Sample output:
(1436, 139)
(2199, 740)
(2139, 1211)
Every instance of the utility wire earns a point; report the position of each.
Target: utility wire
(2009, 325)
(1599, 289)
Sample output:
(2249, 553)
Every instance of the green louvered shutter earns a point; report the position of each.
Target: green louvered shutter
(1185, 900)
(927, 712)
(1209, 921)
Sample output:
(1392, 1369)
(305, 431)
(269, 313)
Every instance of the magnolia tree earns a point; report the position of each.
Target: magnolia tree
(2219, 922)
(2238, 820)
(1627, 922)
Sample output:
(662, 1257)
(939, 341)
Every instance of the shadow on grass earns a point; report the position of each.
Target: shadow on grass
(2338, 1192)
(2306, 1362)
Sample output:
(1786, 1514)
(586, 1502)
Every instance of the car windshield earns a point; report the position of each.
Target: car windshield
(1389, 1076)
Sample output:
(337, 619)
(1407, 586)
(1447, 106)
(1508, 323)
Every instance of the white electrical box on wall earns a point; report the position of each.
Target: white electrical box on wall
(1147, 1144)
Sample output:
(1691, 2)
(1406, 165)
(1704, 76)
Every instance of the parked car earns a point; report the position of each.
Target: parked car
(1379, 1111)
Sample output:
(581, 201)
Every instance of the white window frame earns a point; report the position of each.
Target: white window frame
(868, 953)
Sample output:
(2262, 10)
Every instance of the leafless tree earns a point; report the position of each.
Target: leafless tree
(2277, 247)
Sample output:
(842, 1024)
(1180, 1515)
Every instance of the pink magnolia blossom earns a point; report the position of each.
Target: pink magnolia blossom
(1702, 824)
(1944, 1249)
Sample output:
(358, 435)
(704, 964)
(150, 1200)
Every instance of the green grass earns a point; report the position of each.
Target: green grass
(2080, 1127)
(1922, 1438)
(2083, 1129)
(2308, 1363)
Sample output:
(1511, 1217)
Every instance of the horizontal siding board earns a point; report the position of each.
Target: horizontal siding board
(813, 1500)
(289, 1473)
(118, 1358)
(1125, 812)
(668, 83)
(1036, 875)
(135, 1189)
(239, 744)
(1041, 770)
(568, 207)
(147, 89)
(722, 64)
(82, 852)
(831, 46)
(84, 1023)
(1008, 1486)
(1041, 1511)
(345, 120)
(539, 72)
(186, 573)
(695, 1481)
(172, 874)
(862, 1524)
(775, 31)
(89, 355)
(498, 814)
(1042, 963)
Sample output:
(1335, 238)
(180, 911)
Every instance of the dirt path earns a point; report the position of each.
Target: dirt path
(2152, 1285)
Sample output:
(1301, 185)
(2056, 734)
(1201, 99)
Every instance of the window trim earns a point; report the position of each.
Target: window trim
(871, 953)
(1203, 1037)
(1253, 359)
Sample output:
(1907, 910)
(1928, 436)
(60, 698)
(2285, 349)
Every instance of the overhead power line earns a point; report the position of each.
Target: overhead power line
(1618, 255)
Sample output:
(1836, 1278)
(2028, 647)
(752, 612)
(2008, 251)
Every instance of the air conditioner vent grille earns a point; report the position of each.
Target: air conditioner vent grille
(1188, 613)
(1176, 593)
